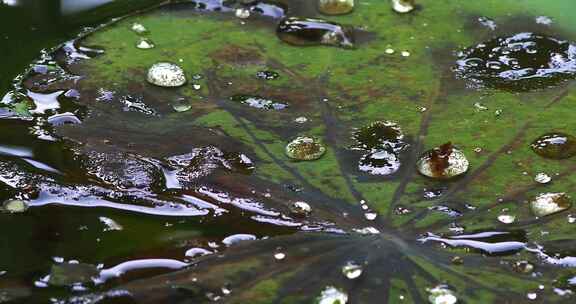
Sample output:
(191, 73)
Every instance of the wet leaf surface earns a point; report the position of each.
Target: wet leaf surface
(220, 167)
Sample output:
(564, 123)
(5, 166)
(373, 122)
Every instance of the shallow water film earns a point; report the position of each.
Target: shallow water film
(287, 151)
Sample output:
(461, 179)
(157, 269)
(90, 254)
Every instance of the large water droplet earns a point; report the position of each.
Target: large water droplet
(443, 162)
(550, 203)
(522, 62)
(379, 135)
(305, 148)
(335, 7)
(165, 74)
(555, 146)
(306, 32)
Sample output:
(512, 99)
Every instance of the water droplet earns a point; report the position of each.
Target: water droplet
(301, 120)
(532, 295)
(441, 295)
(237, 238)
(571, 218)
(304, 32)
(379, 163)
(443, 162)
(367, 230)
(550, 203)
(544, 20)
(181, 105)
(165, 74)
(405, 54)
(301, 209)
(267, 75)
(259, 102)
(379, 135)
(506, 218)
(542, 178)
(487, 242)
(403, 6)
(332, 295)
(138, 28)
(523, 267)
(352, 270)
(511, 63)
(279, 256)
(242, 13)
(555, 146)
(389, 51)
(110, 224)
(370, 215)
(195, 252)
(487, 22)
(305, 148)
(335, 7)
(14, 206)
(457, 260)
(145, 44)
(480, 107)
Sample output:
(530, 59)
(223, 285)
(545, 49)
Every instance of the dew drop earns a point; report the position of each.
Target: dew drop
(555, 146)
(389, 51)
(307, 32)
(405, 54)
(242, 13)
(332, 295)
(523, 267)
(181, 105)
(370, 215)
(14, 206)
(305, 148)
(352, 270)
(301, 209)
(443, 162)
(335, 7)
(542, 178)
(301, 120)
(403, 6)
(165, 74)
(550, 203)
(279, 256)
(441, 295)
(506, 218)
(139, 28)
(267, 75)
(145, 44)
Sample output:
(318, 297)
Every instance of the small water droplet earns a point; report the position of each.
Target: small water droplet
(506, 218)
(267, 75)
(389, 51)
(544, 20)
(14, 206)
(335, 7)
(403, 6)
(181, 105)
(301, 209)
(301, 120)
(542, 178)
(441, 295)
(242, 13)
(550, 203)
(571, 218)
(305, 148)
(138, 28)
(352, 270)
(279, 256)
(457, 260)
(332, 295)
(532, 295)
(405, 54)
(259, 102)
(523, 267)
(370, 215)
(145, 44)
